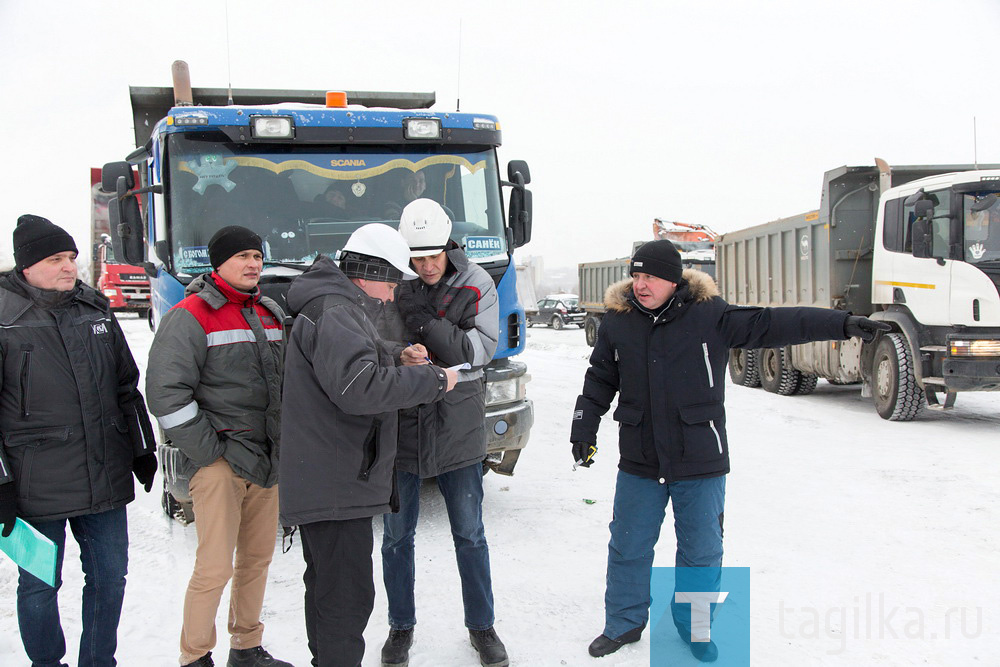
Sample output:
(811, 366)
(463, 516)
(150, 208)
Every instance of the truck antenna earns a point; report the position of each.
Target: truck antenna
(229, 59)
(458, 84)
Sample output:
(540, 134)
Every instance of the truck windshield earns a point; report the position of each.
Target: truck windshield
(304, 200)
(982, 231)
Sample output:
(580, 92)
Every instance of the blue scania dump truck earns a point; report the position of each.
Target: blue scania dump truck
(304, 169)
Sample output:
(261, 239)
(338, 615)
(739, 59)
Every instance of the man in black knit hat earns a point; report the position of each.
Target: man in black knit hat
(74, 430)
(663, 348)
(214, 385)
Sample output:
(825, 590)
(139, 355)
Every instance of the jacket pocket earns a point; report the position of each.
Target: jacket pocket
(703, 427)
(630, 444)
(21, 451)
(369, 453)
(25, 380)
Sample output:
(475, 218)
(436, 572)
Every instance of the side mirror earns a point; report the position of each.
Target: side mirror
(518, 166)
(110, 173)
(921, 238)
(125, 221)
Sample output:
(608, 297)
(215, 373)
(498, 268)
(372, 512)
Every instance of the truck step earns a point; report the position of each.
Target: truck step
(941, 349)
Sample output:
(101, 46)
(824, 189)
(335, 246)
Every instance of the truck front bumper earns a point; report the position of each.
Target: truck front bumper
(971, 374)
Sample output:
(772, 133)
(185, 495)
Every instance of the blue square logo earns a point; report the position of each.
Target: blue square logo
(699, 610)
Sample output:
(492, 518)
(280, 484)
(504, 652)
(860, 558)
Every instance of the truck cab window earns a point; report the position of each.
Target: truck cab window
(939, 226)
(981, 238)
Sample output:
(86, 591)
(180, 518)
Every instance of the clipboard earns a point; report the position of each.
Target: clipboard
(31, 551)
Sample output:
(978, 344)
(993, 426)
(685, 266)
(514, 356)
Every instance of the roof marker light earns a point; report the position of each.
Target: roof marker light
(336, 99)
(422, 128)
(272, 127)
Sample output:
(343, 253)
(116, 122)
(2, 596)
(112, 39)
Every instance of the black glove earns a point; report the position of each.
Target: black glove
(144, 468)
(415, 308)
(864, 328)
(583, 453)
(8, 507)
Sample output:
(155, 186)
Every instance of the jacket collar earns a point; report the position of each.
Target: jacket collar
(217, 292)
(695, 285)
(17, 297)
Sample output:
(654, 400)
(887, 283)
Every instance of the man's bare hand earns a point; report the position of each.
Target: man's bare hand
(452, 378)
(414, 355)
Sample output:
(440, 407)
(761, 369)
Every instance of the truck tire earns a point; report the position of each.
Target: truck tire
(894, 384)
(590, 327)
(556, 322)
(743, 369)
(776, 376)
(807, 384)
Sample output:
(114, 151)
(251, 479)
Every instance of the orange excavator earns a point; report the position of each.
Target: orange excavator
(695, 242)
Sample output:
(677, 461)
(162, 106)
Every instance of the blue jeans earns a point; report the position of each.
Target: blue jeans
(640, 506)
(463, 496)
(103, 540)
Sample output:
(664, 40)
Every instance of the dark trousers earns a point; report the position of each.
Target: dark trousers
(103, 540)
(340, 589)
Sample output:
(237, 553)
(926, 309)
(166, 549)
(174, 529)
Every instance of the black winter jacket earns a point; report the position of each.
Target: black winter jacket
(71, 416)
(669, 373)
(451, 434)
(339, 407)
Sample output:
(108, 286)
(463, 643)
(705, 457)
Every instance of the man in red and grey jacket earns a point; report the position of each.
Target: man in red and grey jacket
(214, 385)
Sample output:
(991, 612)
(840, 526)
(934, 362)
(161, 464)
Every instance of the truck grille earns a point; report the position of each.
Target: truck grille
(513, 330)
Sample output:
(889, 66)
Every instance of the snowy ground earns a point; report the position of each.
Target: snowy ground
(835, 511)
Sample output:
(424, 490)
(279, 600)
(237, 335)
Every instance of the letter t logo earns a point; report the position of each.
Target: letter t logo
(701, 611)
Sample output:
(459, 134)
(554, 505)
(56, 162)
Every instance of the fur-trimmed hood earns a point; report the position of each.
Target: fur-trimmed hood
(695, 285)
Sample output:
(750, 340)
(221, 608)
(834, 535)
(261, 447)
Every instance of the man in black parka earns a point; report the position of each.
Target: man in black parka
(662, 348)
(74, 430)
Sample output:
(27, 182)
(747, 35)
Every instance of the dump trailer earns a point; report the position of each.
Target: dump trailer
(917, 247)
(304, 169)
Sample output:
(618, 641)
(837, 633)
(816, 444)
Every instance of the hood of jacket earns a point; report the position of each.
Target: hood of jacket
(695, 285)
(324, 278)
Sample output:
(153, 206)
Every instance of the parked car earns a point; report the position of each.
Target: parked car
(558, 310)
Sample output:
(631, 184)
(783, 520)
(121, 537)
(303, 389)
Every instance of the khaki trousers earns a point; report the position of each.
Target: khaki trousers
(231, 515)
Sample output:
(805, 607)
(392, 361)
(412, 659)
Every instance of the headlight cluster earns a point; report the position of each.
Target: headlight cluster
(505, 391)
(974, 348)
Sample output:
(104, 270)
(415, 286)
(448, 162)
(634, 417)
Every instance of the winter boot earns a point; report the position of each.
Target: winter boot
(254, 657)
(491, 650)
(703, 651)
(605, 645)
(203, 661)
(396, 650)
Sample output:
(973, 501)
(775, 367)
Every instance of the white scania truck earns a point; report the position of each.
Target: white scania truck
(917, 247)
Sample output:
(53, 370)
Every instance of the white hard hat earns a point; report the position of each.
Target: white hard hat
(376, 252)
(425, 226)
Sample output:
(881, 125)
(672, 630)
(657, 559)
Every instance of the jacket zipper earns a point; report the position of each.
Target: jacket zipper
(708, 366)
(25, 380)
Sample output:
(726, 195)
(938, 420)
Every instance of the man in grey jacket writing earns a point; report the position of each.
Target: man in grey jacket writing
(339, 424)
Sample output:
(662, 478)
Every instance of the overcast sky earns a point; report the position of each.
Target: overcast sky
(719, 112)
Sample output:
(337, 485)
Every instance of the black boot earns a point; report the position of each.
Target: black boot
(254, 657)
(491, 650)
(605, 645)
(396, 650)
(203, 661)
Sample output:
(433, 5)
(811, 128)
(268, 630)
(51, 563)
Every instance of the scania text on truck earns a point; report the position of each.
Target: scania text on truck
(304, 169)
(917, 247)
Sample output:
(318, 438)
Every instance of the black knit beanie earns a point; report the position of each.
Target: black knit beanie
(230, 240)
(658, 258)
(36, 238)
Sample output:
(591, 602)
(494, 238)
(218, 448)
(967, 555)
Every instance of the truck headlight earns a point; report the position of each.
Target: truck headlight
(272, 127)
(974, 348)
(422, 128)
(504, 391)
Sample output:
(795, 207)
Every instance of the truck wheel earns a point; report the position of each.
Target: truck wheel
(743, 369)
(807, 384)
(895, 392)
(590, 328)
(557, 322)
(776, 375)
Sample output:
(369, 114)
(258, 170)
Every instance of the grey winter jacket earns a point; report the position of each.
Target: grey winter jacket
(451, 434)
(71, 416)
(668, 370)
(213, 380)
(341, 396)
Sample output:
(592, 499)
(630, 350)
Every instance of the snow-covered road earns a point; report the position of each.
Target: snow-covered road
(869, 542)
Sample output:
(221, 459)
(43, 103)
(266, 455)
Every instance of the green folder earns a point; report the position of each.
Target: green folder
(31, 551)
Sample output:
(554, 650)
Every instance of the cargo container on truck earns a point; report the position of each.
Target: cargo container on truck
(917, 247)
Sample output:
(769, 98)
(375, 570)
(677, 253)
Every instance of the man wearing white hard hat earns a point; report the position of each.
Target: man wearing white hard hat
(342, 391)
(450, 310)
